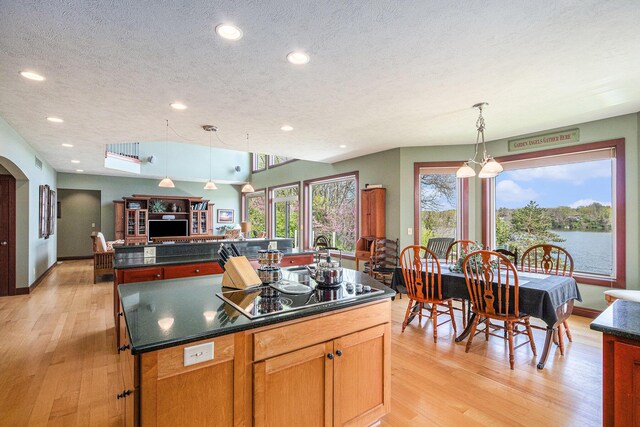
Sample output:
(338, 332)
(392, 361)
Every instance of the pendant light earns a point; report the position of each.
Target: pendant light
(210, 185)
(247, 188)
(490, 167)
(166, 181)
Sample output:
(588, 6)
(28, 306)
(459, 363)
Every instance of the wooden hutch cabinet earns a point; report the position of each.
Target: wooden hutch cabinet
(132, 215)
(372, 221)
(372, 213)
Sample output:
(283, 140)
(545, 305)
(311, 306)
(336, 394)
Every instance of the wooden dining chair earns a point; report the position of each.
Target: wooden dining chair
(512, 255)
(456, 249)
(439, 245)
(459, 247)
(554, 260)
(422, 277)
(492, 282)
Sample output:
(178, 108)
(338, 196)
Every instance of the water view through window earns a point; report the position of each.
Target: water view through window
(568, 205)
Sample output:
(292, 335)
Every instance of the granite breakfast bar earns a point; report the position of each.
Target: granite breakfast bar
(194, 359)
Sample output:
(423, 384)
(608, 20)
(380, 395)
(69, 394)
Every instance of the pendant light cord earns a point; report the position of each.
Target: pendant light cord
(166, 150)
(209, 156)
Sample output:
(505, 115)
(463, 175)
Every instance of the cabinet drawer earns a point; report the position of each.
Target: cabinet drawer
(142, 275)
(292, 260)
(175, 271)
(284, 339)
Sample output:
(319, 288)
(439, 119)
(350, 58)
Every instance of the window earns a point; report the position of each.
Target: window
(255, 209)
(441, 202)
(568, 198)
(332, 210)
(285, 212)
(278, 160)
(259, 162)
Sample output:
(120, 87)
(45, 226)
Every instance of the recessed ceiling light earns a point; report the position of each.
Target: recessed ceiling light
(75, 161)
(229, 32)
(178, 106)
(55, 119)
(343, 146)
(32, 76)
(286, 128)
(79, 170)
(298, 57)
(67, 145)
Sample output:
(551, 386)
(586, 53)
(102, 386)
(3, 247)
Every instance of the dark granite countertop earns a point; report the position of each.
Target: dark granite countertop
(136, 260)
(622, 319)
(167, 313)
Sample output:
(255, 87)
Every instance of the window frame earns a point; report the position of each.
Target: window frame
(272, 217)
(245, 210)
(463, 198)
(618, 278)
(254, 162)
(306, 230)
(272, 165)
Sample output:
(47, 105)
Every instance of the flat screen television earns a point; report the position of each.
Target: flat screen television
(168, 227)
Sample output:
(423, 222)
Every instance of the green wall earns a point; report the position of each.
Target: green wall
(33, 254)
(114, 188)
(80, 213)
(394, 169)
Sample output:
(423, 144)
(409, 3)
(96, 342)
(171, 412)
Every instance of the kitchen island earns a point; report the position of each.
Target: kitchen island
(156, 261)
(620, 325)
(192, 358)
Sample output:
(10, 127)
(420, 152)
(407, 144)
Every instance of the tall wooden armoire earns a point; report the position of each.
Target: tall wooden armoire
(372, 221)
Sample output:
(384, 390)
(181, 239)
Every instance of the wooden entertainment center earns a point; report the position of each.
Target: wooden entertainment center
(132, 215)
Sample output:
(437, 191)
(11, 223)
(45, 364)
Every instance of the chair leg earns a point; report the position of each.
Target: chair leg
(474, 325)
(434, 319)
(95, 278)
(561, 340)
(487, 324)
(453, 320)
(510, 337)
(566, 328)
(406, 316)
(420, 308)
(463, 306)
(530, 334)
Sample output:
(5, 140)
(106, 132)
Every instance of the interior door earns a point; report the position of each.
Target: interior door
(295, 388)
(7, 235)
(362, 376)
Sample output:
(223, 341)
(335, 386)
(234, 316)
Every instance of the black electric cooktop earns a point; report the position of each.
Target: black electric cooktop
(267, 299)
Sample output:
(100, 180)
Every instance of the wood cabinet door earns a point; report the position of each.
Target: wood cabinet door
(119, 220)
(365, 217)
(626, 388)
(295, 388)
(362, 376)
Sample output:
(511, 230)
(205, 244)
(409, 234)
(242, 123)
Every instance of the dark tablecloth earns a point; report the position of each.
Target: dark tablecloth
(540, 295)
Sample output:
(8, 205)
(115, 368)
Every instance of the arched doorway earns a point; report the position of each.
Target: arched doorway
(14, 195)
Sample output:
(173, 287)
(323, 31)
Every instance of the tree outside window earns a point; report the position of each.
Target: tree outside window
(256, 210)
(334, 212)
(286, 212)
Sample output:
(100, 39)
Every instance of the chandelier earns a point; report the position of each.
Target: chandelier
(489, 166)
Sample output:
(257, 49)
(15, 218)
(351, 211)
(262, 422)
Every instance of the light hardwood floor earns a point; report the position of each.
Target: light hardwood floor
(58, 367)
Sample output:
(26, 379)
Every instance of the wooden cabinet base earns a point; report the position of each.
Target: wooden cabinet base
(621, 381)
(341, 379)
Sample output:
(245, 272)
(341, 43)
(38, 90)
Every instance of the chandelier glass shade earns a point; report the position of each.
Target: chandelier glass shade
(490, 168)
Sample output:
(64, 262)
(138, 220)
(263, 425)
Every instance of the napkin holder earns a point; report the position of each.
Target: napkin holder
(239, 274)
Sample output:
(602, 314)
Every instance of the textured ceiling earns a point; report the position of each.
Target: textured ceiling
(383, 74)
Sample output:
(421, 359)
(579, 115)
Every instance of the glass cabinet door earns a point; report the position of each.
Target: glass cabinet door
(142, 222)
(203, 222)
(131, 223)
(194, 222)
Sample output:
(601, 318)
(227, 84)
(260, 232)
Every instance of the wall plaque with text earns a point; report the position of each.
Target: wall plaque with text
(545, 140)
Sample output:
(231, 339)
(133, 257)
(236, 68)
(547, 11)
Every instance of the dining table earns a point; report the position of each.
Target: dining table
(547, 297)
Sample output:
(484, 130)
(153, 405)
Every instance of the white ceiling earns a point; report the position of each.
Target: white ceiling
(383, 74)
